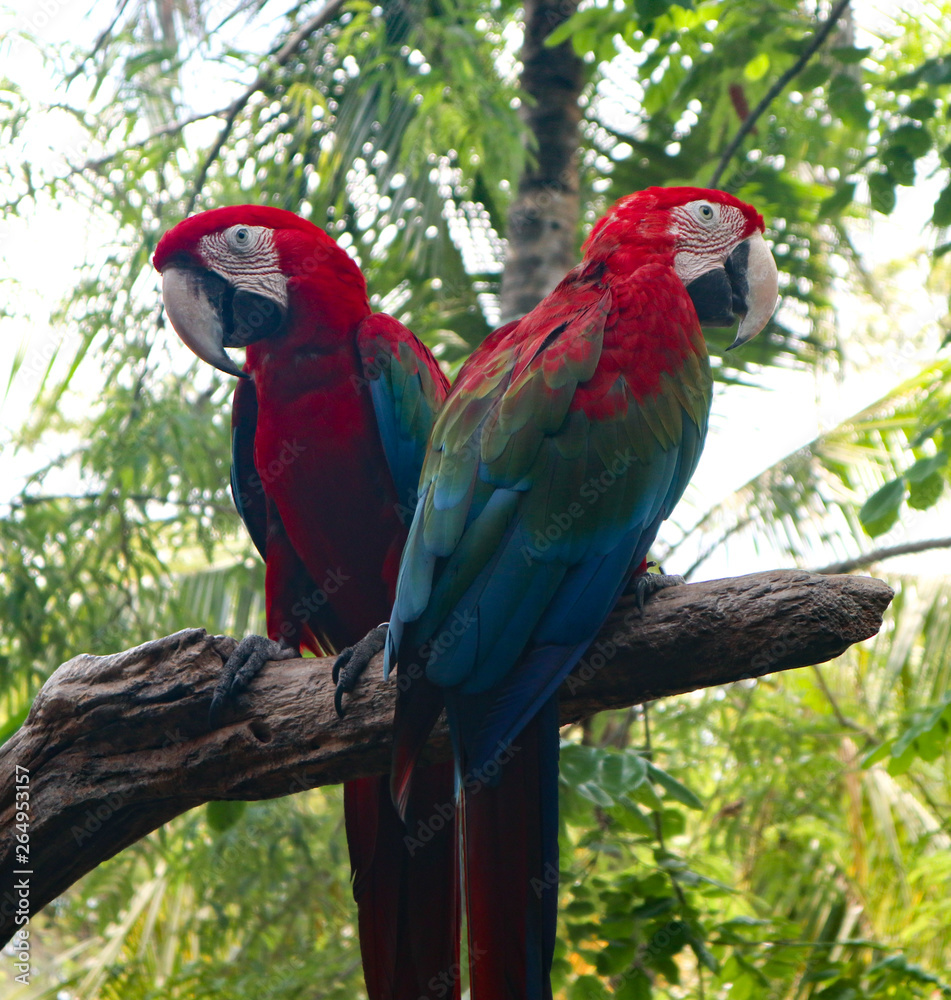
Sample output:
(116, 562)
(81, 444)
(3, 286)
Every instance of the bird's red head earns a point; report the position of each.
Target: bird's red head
(713, 241)
(234, 276)
(663, 217)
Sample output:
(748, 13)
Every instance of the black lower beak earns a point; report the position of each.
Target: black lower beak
(744, 288)
(194, 303)
(210, 314)
(250, 317)
(713, 298)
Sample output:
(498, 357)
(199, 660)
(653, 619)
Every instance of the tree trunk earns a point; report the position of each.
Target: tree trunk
(543, 220)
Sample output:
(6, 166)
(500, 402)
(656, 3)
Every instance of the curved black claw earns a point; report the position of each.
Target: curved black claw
(241, 667)
(644, 585)
(351, 663)
(632, 585)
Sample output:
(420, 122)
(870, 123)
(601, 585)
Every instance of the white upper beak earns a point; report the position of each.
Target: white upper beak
(762, 279)
(188, 297)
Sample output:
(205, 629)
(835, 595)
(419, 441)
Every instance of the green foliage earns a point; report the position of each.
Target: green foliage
(196, 912)
(925, 739)
(922, 484)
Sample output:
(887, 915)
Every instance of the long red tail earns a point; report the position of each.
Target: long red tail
(510, 823)
(405, 882)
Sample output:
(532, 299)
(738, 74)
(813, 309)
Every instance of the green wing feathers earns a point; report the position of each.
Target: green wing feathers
(546, 443)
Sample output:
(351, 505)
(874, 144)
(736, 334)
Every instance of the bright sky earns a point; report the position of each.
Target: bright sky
(750, 428)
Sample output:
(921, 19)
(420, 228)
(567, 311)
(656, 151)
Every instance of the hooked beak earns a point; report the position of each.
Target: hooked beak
(193, 301)
(745, 285)
(209, 314)
(755, 282)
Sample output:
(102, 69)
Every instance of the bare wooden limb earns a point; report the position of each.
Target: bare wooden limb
(281, 56)
(821, 34)
(867, 559)
(287, 50)
(114, 746)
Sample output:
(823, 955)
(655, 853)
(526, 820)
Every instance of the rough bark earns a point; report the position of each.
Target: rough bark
(117, 745)
(543, 220)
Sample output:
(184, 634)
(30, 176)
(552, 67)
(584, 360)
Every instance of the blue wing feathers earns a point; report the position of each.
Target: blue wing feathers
(405, 396)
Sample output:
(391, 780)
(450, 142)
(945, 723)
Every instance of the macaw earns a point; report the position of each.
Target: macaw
(567, 438)
(330, 418)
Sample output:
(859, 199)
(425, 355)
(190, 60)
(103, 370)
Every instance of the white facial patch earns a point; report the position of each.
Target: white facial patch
(245, 256)
(704, 243)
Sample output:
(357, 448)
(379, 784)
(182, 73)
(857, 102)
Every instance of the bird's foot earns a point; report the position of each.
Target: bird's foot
(242, 666)
(353, 661)
(644, 585)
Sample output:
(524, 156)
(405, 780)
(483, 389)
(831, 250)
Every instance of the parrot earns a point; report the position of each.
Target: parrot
(330, 417)
(567, 438)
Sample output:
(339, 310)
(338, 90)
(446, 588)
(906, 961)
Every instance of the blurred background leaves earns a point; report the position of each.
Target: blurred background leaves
(780, 839)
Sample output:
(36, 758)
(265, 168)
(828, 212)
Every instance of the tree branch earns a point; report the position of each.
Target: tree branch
(230, 113)
(101, 40)
(114, 746)
(822, 33)
(237, 106)
(889, 552)
(34, 500)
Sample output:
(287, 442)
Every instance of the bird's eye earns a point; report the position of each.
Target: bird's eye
(705, 211)
(241, 237)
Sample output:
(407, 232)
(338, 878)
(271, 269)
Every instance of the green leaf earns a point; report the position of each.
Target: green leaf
(673, 822)
(646, 795)
(909, 971)
(654, 908)
(842, 989)
(757, 67)
(673, 787)
(926, 738)
(814, 75)
(579, 908)
(942, 208)
(703, 953)
(926, 492)
(634, 820)
(634, 986)
(595, 793)
(136, 64)
(911, 136)
(577, 763)
(587, 988)
(840, 199)
(563, 32)
(847, 101)
(622, 772)
(882, 190)
(222, 815)
(933, 72)
(667, 967)
(615, 958)
(877, 755)
(849, 55)
(921, 109)
(650, 10)
(924, 468)
(880, 511)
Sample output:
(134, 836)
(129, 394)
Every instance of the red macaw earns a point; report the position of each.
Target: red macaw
(329, 424)
(566, 440)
